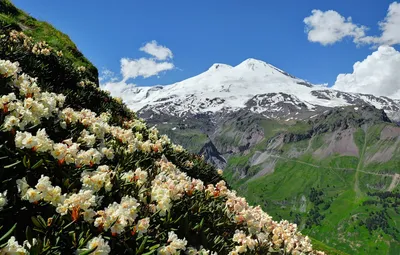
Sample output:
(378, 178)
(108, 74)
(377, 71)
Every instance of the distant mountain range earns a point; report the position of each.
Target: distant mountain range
(253, 85)
(325, 159)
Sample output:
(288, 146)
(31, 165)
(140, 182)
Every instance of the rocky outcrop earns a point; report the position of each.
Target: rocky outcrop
(212, 155)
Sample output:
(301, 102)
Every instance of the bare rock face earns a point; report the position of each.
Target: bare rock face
(212, 155)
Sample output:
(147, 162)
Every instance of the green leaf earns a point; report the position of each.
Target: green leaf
(28, 233)
(68, 225)
(13, 164)
(6, 235)
(39, 163)
(26, 162)
(42, 221)
(141, 247)
(36, 222)
(88, 251)
(39, 222)
(82, 241)
(150, 252)
(154, 247)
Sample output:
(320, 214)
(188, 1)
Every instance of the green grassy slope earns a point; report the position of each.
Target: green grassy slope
(342, 201)
(12, 17)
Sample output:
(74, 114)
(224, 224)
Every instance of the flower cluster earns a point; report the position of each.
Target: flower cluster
(35, 105)
(138, 176)
(174, 246)
(42, 191)
(20, 37)
(202, 251)
(81, 69)
(100, 244)
(40, 142)
(86, 82)
(171, 184)
(40, 48)
(13, 247)
(8, 68)
(142, 226)
(3, 200)
(84, 200)
(98, 179)
(117, 217)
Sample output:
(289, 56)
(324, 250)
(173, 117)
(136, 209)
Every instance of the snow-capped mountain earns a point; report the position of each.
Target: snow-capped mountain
(253, 84)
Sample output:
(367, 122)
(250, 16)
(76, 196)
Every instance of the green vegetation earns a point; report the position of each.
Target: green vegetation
(318, 193)
(13, 18)
(192, 139)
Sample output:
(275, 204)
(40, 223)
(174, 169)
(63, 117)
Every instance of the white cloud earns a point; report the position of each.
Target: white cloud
(378, 74)
(120, 89)
(133, 68)
(330, 27)
(106, 75)
(158, 51)
(391, 25)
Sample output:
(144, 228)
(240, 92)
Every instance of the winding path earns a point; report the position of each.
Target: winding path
(392, 186)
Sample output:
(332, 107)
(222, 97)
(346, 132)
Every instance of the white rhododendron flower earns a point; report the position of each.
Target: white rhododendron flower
(13, 247)
(87, 139)
(138, 176)
(3, 200)
(102, 247)
(108, 152)
(22, 186)
(118, 216)
(143, 225)
(98, 179)
(8, 68)
(175, 245)
(83, 200)
(202, 251)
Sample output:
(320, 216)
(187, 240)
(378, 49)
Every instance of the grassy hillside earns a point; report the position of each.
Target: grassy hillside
(340, 185)
(14, 18)
(337, 176)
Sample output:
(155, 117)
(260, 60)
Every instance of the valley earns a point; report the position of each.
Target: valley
(332, 168)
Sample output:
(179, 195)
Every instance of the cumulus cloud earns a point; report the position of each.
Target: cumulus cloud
(378, 74)
(330, 27)
(158, 51)
(107, 75)
(133, 68)
(118, 88)
(391, 25)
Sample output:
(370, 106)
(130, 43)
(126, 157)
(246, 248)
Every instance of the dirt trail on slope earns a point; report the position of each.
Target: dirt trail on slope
(394, 183)
(332, 168)
(360, 164)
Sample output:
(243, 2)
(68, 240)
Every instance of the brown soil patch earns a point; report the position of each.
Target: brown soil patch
(340, 142)
(390, 132)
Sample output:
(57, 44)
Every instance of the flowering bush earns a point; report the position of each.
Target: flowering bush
(83, 177)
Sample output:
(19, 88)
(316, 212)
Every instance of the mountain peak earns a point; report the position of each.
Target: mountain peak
(219, 66)
(252, 64)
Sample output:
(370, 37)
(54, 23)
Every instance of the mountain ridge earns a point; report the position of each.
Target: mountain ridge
(325, 159)
(253, 84)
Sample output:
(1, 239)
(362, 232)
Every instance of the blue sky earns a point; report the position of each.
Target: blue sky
(200, 33)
